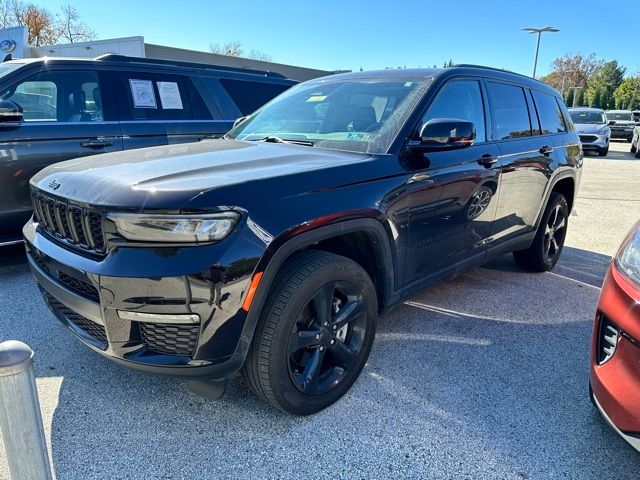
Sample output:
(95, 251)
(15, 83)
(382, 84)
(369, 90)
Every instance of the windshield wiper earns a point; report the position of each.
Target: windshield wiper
(274, 139)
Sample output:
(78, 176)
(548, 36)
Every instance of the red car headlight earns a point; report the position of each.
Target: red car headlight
(628, 257)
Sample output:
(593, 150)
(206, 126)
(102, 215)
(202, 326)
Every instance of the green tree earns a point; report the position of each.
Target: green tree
(569, 97)
(579, 100)
(596, 99)
(606, 79)
(628, 93)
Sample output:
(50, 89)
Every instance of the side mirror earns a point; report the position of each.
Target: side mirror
(239, 120)
(611, 122)
(444, 134)
(10, 113)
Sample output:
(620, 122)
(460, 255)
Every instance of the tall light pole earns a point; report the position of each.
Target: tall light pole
(539, 32)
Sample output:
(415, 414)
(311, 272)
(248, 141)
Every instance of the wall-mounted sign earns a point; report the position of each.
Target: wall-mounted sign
(8, 46)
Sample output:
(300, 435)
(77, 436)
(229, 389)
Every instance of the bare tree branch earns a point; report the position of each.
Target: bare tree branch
(234, 49)
(71, 28)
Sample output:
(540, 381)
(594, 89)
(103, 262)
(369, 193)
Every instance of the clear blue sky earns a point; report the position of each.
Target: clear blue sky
(374, 34)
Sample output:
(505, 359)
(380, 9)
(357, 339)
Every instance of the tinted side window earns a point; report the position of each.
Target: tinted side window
(157, 96)
(249, 96)
(509, 111)
(58, 96)
(551, 119)
(462, 100)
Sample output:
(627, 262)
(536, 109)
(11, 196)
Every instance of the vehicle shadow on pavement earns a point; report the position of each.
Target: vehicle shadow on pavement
(483, 376)
(12, 256)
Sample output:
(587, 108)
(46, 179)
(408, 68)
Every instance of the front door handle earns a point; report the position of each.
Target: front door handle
(487, 160)
(546, 150)
(97, 143)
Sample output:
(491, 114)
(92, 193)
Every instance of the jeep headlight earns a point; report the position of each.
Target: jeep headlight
(174, 228)
(628, 257)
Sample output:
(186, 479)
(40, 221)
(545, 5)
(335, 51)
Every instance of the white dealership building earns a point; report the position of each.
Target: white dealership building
(14, 43)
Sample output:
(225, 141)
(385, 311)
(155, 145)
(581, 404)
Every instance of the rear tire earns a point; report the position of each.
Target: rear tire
(314, 334)
(544, 252)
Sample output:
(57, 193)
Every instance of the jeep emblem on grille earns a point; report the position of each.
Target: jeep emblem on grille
(54, 185)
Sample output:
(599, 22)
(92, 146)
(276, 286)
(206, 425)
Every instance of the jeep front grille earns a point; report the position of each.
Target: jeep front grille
(79, 227)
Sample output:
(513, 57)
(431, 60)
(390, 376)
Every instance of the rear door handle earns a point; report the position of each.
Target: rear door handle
(97, 143)
(487, 160)
(546, 150)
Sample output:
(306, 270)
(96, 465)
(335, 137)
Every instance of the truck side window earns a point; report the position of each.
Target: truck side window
(59, 96)
(461, 100)
(509, 111)
(158, 96)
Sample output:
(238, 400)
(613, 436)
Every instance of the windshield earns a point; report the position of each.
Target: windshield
(8, 67)
(620, 116)
(587, 117)
(359, 115)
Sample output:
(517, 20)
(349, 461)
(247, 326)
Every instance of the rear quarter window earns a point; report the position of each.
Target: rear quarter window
(248, 95)
(551, 118)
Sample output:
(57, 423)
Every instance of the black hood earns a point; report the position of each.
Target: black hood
(166, 177)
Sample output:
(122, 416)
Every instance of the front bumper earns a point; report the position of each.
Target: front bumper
(594, 142)
(616, 382)
(633, 440)
(622, 133)
(189, 326)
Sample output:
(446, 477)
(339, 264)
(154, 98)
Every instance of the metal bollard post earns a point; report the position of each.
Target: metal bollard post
(20, 418)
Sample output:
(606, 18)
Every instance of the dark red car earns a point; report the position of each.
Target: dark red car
(615, 347)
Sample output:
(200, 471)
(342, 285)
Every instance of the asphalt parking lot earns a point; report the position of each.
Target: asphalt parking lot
(484, 376)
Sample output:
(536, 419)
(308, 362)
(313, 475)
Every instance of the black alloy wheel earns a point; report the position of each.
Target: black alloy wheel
(314, 334)
(546, 247)
(554, 233)
(327, 338)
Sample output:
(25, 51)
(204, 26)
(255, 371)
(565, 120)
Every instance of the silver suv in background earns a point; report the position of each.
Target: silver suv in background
(592, 126)
(622, 124)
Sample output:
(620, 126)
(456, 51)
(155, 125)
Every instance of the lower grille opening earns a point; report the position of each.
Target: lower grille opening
(80, 286)
(89, 327)
(608, 337)
(169, 339)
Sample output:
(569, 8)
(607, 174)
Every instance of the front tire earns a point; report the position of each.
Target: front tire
(544, 252)
(603, 152)
(314, 334)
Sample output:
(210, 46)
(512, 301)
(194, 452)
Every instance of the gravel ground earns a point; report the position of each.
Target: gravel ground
(484, 376)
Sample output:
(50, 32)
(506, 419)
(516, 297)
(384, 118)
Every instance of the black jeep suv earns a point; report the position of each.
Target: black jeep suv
(55, 109)
(274, 249)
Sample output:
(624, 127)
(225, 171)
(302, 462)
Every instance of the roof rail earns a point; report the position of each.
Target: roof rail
(114, 57)
(471, 65)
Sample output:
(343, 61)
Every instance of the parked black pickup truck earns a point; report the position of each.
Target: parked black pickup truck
(57, 109)
(274, 249)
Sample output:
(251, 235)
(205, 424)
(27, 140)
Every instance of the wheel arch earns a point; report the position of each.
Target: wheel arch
(336, 238)
(567, 187)
(565, 183)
